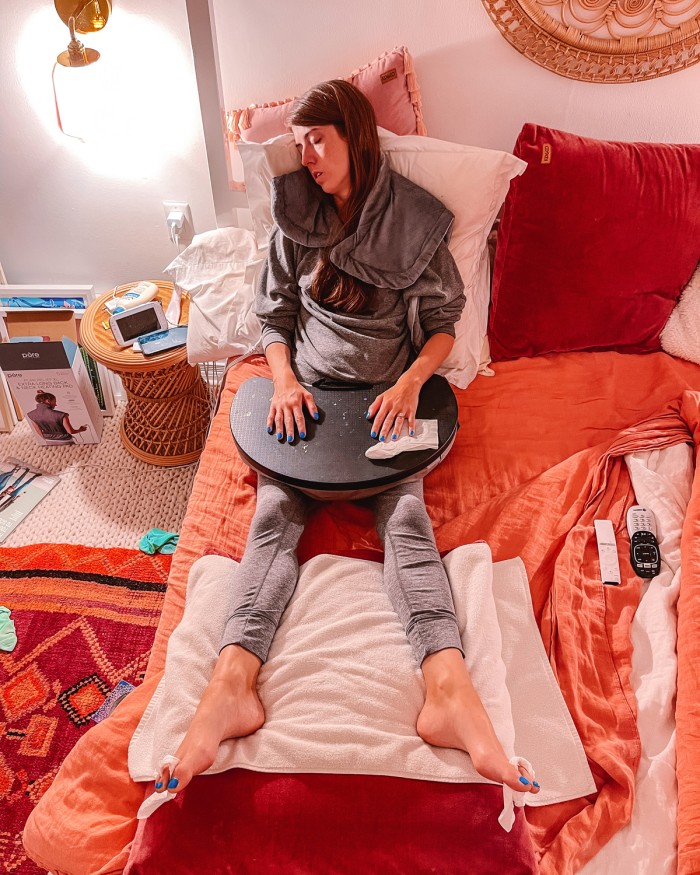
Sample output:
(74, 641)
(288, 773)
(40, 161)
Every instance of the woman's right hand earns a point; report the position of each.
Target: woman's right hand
(286, 408)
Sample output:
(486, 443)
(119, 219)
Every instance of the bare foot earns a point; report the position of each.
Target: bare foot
(229, 708)
(454, 717)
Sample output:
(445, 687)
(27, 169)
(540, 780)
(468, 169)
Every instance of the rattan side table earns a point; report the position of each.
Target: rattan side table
(167, 412)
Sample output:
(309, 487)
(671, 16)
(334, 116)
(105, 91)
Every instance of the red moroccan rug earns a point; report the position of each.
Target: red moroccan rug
(85, 619)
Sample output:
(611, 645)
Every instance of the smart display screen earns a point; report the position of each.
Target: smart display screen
(133, 325)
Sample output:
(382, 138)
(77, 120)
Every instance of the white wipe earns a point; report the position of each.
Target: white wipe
(425, 438)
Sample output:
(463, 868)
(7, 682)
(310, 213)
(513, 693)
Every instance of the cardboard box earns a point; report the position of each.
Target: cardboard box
(56, 369)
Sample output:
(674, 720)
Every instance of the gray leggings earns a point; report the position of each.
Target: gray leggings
(414, 576)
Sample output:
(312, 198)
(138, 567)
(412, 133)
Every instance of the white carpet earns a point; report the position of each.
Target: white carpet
(106, 497)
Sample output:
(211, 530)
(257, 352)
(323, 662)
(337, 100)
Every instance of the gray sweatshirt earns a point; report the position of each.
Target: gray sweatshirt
(399, 247)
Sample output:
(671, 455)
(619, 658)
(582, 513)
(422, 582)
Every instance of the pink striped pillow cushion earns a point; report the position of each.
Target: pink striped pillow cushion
(389, 82)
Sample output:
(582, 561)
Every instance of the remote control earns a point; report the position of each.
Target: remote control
(644, 548)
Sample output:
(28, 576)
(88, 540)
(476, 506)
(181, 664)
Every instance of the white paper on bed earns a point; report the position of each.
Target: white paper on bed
(662, 481)
(341, 689)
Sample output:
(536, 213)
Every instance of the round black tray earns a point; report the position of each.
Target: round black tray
(332, 455)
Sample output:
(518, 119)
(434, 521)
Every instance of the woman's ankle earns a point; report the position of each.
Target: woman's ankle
(445, 671)
(237, 665)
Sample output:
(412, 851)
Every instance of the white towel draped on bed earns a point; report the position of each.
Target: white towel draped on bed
(341, 689)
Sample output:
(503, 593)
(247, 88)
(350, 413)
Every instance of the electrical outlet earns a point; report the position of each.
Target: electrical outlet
(187, 231)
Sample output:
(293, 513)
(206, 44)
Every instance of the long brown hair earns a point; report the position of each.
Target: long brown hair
(340, 104)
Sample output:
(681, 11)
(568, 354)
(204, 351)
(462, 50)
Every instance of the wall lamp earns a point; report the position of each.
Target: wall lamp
(81, 16)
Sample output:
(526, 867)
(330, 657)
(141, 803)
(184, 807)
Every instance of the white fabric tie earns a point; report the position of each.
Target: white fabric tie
(155, 800)
(425, 438)
(512, 798)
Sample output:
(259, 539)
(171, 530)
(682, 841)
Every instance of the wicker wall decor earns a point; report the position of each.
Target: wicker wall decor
(602, 40)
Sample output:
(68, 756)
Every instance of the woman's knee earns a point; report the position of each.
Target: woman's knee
(406, 526)
(277, 506)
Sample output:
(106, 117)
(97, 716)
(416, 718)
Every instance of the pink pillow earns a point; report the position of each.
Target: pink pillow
(389, 82)
(596, 243)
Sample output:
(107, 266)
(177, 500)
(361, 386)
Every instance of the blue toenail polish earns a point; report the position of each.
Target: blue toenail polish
(382, 438)
(290, 438)
(302, 434)
(522, 779)
(411, 432)
(374, 434)
(159, 784)
(269, 429)
(393, 437)
(172, 783)
(315, 415)
(535, 784)
(279, 435)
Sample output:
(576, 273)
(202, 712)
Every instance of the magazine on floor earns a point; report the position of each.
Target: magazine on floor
(22, 486)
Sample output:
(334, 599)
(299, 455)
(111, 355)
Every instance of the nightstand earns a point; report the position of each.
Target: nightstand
(167, 413)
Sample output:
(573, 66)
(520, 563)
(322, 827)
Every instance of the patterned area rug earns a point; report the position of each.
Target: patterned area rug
(85, 619)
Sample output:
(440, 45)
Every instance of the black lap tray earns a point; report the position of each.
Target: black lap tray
(332, 455)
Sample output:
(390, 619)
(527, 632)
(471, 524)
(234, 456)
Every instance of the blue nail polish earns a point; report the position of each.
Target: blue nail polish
(315, 415)
(522, 779)
(290, 438)
(159, 784)
(302, 434)
(367, 415)
(279, 435)
(382, 438)
(535, 784)
(411, 432)
(269, 429)
(172, 783)
(374, 434)
(394, 436)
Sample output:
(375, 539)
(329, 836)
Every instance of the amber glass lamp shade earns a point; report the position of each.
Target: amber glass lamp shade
(81, 16)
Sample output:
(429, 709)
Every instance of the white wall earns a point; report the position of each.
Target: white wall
(476, 88)
(91, 212)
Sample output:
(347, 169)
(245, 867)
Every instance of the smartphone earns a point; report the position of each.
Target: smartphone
(161, 341)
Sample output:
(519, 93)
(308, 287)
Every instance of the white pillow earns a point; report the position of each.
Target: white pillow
(470, 181)
(219, 270)
(681, 334)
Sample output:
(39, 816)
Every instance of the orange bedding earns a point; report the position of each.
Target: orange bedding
(538, 456)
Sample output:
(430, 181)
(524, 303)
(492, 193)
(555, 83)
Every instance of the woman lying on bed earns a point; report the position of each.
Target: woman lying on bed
(353, 242)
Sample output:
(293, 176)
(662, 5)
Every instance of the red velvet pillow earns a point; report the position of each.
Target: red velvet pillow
(597, 240)
(263, 824)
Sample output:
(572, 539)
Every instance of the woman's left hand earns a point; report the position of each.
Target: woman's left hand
(394, 408)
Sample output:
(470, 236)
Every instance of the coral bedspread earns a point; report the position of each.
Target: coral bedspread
(539, 455)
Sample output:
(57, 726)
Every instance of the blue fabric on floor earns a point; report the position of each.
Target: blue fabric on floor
(158, 541)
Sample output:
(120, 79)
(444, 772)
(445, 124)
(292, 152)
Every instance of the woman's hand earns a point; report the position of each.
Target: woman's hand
(395, 407)
(398, 405)
(286, 408)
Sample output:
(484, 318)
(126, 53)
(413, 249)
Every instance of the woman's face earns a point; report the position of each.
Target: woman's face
(325, 154)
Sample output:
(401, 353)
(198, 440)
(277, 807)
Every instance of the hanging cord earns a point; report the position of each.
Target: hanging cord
(58, 112)
(176, 222)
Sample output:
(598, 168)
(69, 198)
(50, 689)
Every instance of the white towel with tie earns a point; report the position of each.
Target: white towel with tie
(342, 691)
